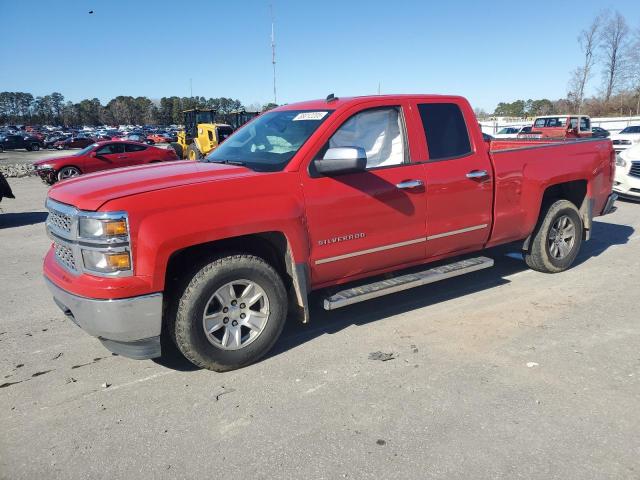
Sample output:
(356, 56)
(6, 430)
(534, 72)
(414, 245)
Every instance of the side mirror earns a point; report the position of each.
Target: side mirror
(342, 160)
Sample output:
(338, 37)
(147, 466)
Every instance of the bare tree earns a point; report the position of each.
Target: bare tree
(614, 36)
(632, 60)
(589, 41)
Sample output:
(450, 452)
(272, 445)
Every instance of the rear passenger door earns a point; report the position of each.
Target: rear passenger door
(459, 179)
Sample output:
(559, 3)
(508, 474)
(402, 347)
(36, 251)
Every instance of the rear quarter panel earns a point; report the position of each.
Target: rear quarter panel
(524, 170)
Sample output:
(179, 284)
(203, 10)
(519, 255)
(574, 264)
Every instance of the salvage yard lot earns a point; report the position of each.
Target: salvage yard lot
(503, 373)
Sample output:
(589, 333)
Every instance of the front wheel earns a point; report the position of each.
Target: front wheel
(193, 153)
(35, 147)
(557, 239)
(231, 313)
(67, 172)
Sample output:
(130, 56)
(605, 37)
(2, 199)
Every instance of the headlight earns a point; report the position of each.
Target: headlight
(106, 262)
(620, 162)
(102, 228)
(44, 166)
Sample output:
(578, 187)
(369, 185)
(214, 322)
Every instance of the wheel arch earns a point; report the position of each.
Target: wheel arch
(273, 247)
(575, 191)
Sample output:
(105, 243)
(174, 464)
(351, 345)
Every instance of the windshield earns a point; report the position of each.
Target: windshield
(270, 141)
(85, 150)
(631, 130)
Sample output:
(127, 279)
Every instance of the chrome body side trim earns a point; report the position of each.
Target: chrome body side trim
(399, 244)
(370, 250)
(121, 320)
(456, 232)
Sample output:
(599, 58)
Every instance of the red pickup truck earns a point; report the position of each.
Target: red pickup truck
(323, 195)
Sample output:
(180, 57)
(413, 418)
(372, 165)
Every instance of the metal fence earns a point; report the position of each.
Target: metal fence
(613, 124)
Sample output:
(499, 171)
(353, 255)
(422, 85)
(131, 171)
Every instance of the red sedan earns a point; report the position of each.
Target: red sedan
(101, 156)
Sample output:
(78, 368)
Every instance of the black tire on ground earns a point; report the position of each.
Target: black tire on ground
(35, 147)
(188, 326)
(178, 149)
(554, 249)
(193, 153)
(28, 148)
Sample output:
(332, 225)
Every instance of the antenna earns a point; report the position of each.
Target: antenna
(273, 54)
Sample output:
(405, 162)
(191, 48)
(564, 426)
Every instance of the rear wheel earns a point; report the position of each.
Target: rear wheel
(193, 153)
(231, 313)
(557, 239)
(35, 147)
(67, 172)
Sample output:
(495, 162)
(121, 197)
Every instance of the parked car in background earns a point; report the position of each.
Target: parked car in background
(101, 156)
(73, 142)
(600, 132)
(50, 140)
(627, 179)
(626, 138)
(509, 132)
(17, 142)
(559, 126)
(157, 138)
(135, 137)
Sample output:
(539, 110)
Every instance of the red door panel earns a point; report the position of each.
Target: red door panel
(458, 177)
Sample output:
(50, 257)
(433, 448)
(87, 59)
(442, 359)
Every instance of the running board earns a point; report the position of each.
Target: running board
(404, 282)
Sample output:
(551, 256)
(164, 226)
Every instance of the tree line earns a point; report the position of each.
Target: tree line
(611, 49)
(24, 108)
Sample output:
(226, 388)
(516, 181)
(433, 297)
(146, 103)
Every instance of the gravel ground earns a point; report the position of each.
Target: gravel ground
(504, 373)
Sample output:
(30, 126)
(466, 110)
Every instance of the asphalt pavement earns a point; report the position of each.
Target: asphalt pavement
(504, 373)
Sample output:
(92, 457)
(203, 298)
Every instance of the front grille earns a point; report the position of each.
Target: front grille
(621, 142)
(635, 169)
(65, 256)
(60, 221)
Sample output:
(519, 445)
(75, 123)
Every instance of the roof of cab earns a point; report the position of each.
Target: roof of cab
(338, 102)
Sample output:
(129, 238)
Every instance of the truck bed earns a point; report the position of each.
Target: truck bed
(524, 168)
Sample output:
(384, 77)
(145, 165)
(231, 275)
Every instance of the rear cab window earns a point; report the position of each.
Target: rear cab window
(445, 130)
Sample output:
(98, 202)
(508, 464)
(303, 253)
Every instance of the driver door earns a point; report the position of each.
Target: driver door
(369, 220)
(106, 157)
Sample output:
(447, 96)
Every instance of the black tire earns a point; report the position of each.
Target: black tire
(542, 255)
(188, 329)
(178, 149)
(193, 153)
(35, 147)
(28, 148)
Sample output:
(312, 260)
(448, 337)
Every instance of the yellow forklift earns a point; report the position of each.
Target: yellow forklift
(201, 134)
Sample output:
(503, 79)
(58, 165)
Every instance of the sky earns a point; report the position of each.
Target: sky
(488, 51)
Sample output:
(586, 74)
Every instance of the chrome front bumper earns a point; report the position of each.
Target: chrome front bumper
(129, 327)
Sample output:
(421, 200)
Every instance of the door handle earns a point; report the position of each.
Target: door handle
(407, 184)
(122, 156)
(476, 174)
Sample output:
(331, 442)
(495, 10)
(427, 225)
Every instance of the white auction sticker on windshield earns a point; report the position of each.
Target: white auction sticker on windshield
(309, 116)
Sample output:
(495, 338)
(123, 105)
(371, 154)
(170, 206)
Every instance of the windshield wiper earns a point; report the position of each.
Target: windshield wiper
(231, 162)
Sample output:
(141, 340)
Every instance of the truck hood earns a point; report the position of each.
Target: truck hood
(90, 192)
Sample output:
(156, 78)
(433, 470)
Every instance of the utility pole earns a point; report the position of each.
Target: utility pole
(273, 55)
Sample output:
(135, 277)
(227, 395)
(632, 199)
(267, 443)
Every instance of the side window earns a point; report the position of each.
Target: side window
(378, 131)
(445, 129)
(573, 122)
(110, 149)
(585, 124)
(130, 148)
